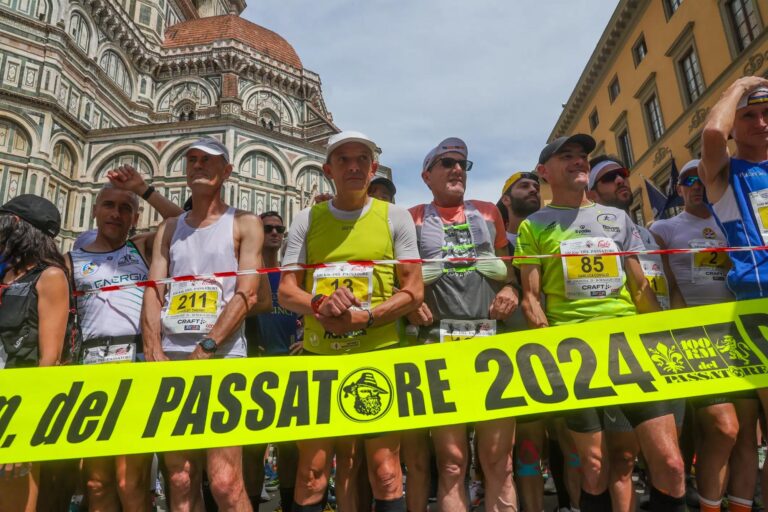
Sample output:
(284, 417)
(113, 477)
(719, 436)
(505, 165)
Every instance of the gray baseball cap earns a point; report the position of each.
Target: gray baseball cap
(210, 146)
(582, 139)
(449, 145)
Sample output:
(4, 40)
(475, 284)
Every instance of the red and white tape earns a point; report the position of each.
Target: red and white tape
(370, 263)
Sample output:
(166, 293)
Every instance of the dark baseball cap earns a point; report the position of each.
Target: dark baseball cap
(582, 139)
(386, 182)
(36, 210)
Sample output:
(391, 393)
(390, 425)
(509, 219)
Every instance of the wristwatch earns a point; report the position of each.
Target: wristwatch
(150, 190)
(208, 345)
(316, 302)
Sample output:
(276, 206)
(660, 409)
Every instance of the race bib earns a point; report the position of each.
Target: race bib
(708, 266)
(591, 275)
(759, 202)
(193, 306)
(654, 274)
(357, 279)
(122, 353)
(457, 330)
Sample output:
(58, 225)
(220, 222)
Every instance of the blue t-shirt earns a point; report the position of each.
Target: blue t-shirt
(742, 213)
(273, 333)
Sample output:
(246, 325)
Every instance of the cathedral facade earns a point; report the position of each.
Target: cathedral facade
(87, 85)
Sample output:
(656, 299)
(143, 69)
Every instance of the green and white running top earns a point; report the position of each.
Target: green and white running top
(580, 288)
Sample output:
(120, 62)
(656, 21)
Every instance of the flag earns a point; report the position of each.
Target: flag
(658, 200)
(673, 199)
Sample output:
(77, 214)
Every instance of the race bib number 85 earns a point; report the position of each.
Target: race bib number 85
(589, 274)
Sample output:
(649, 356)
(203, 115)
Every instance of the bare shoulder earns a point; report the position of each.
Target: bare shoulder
(247, 220)
(53, 277)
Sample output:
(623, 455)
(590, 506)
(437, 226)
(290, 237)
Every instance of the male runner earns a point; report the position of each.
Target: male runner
(585, 288)
(212, 237)
(382, 188)
(110, 322)
(702, 281)
(464, 300)
(276, 333)
(355, 317)
(609, 186)
(738, 189)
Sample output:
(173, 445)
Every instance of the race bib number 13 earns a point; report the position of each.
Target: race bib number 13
(357, 279)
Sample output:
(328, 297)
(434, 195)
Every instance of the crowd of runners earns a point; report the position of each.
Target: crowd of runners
(590, 453)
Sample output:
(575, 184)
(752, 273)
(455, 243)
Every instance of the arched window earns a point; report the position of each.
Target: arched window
(32, 183)
(312, 181)
(262, 166)
(82, 212)
(139, 162)
(178, 166)
(79, 31)
(185, 111)
(63, 160)
(13, 138)
(115, 68)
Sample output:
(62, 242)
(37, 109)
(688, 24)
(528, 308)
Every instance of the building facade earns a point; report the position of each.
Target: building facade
(658, 68)
(87, 85)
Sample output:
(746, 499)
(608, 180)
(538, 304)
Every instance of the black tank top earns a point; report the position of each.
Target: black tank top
(19, 320)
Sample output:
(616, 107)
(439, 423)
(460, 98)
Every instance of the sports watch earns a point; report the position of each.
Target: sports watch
(208, 345)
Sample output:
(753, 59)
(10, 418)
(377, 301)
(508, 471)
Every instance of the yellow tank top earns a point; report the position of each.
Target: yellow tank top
(333, 240)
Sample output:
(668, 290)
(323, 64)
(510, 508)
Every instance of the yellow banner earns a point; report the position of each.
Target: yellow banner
(85, 411)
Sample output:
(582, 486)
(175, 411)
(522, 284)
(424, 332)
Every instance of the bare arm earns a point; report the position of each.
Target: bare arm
(264, 298)
(154, 297)
(639, 289)
(292, 296)
(714, 136)
(250, 233)
(506, 301)
(53, 312)
(676, 299)
(532, 308)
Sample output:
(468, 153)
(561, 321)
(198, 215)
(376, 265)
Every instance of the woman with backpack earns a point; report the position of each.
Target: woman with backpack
(34, 314)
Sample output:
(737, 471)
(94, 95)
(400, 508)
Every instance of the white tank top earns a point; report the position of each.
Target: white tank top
(114, 313)
(205, 250)
(700, 279)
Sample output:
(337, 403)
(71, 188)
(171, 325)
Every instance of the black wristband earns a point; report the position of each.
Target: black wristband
(150, 190)
(369, 323)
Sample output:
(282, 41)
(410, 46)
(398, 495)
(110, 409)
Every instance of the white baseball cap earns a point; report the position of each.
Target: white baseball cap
(349, 136)
(211, 146)
(754, 97)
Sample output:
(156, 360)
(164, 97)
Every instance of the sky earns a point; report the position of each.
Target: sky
(409, 73)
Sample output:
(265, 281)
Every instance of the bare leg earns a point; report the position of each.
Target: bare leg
(452, 453)
(495, 444)
(313, 470)
(622, 450)
(414, 450)
(133, 482)
(102, 487)
(184, 478)
(225, 471)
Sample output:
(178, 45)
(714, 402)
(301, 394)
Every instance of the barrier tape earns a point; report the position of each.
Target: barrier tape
(101, 410)
(312, 266)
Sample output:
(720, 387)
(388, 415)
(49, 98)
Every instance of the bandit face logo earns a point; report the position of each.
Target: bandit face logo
(365, 395)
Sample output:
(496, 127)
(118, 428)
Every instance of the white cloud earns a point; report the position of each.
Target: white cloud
(410, 73)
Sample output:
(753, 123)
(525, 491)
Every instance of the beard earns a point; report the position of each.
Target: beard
(522, 208)
(370, 406)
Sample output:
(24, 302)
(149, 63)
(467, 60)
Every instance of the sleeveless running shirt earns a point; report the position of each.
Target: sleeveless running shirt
(191, 308)
(115, 313)
(366, 238)
(653, 268)
(742, 213)
(700, 277)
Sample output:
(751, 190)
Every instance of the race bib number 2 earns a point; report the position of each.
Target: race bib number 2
(193, 307)
(589, 274)
(709, 266)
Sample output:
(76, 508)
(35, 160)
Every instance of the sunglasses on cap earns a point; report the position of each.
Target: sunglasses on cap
(450, 163)
(690, 181)
(610, 176)
(269, 228)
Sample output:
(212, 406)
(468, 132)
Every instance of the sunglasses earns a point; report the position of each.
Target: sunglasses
(690, 181)
(450, 163)
(610, 176)
(268, 229)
